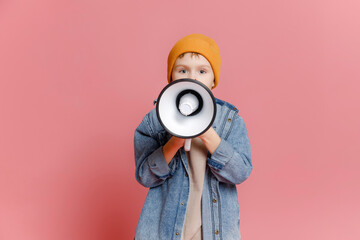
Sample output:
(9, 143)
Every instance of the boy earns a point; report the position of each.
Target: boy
(192, 194)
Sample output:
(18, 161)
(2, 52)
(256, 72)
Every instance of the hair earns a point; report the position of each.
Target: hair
(192, 54)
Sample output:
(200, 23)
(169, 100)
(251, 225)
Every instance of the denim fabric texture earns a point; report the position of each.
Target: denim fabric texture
(163, 213)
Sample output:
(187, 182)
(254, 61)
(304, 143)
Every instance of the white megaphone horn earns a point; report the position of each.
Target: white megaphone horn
(186, 108)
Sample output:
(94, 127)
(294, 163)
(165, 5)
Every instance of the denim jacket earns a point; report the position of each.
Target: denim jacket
(163, 213)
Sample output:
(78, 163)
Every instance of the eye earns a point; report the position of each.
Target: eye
(202, 71)
(182, 71)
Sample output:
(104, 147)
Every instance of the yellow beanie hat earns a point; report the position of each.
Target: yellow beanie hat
(198, 43)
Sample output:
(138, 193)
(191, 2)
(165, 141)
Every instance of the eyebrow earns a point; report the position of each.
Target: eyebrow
(180, 65)
(205, 66)
(200, 66)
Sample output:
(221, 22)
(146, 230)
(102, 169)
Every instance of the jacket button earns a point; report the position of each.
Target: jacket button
(214, 200)
(182, 204)
(229, 119)
(177, 234)
(217, 232)
(186, 175)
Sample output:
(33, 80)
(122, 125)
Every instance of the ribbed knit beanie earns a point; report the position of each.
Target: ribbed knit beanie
(198, 43)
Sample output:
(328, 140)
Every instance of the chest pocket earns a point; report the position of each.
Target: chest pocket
(228, 123)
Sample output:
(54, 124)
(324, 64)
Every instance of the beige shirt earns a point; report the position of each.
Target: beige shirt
(197, 163)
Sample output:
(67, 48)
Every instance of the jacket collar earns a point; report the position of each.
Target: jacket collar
(226, 104)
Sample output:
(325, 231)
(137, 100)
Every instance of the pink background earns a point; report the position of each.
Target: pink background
(77, 77)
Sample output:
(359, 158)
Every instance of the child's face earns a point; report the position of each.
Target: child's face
(195, 67)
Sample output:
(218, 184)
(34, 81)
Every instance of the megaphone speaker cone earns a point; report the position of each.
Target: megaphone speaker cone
(186, 108)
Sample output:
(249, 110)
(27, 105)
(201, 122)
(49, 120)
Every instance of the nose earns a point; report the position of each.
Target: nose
(192, 75)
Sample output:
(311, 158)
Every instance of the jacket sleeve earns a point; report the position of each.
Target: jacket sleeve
(231, 161)
(151, 167)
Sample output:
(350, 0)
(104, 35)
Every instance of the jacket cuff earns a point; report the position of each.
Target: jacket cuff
(158, 165)
(223, 153)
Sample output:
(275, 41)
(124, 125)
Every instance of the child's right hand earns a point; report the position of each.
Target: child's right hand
(171, 147)
(176, 141)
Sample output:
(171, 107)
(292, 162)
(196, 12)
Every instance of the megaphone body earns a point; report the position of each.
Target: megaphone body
(186, 108)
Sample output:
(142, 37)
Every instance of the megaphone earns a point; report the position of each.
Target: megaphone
(186, 108)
